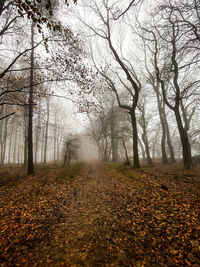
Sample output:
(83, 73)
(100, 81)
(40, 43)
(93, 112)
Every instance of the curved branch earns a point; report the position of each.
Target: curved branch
(125, 10)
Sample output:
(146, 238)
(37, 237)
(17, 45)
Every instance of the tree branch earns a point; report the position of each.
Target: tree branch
(8, 115)
(17, 57)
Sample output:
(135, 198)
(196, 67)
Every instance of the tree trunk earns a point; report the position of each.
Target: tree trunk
(10, 144)
(1, 142)
(162, 121)
(143, 123)
(58, 149)
(136, 162)
(19, 151)
(155, 141)
(142, 148)
(126, 152)
(54, 139)
(169, 143)
(105, 152)
(42, 145)
(186, 149)
(30, 117)
(163, 150)
(37, 135)
(4, 140)
(25, 136)
(114, 142)
(54, 148)
(146, 144)
(15, 147)
(46, 133)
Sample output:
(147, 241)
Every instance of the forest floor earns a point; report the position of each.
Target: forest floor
(108, 215)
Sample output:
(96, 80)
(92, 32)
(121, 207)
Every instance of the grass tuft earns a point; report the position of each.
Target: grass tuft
(71, 171)
(125, 170)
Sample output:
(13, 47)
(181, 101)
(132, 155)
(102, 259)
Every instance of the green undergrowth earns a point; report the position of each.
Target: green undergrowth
(127, 171)
(71, 171)
(46, 173)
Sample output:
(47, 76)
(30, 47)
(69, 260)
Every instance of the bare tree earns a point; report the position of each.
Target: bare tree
(132, 84)
(71, 147)
(144, 121)
(168, 53)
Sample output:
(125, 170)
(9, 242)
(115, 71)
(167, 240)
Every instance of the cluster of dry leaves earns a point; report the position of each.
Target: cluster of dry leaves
(164, 210)
(149, 217)
(30, 208)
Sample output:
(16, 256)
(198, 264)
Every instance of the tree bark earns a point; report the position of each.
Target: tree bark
(10, 144)
(26, 136)
(136, 162)
(15, 147)
(42, 144)
(186, 149)
(37, 135)
(114, 143)
(142, 149)
(46, 133)
(4, 144)
(55, 139)
(146, 144)
(169, 143)
(143, 124)
(126, 152)
(162, 121)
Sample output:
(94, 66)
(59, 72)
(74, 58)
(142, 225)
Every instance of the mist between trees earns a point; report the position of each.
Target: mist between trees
(131, 68)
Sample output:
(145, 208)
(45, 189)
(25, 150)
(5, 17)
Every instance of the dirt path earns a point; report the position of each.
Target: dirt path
(102, 218)
(91, 232)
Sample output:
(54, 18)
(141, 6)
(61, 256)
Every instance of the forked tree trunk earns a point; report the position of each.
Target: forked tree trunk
(126, 152)
(136, 88)
(162, 121)
(146, 144)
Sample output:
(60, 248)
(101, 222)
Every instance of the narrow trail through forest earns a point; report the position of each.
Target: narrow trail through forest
(147, 217)
(94, 222)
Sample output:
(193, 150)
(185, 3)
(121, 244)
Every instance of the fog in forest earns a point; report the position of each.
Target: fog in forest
(99, 133)
(108, 80)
